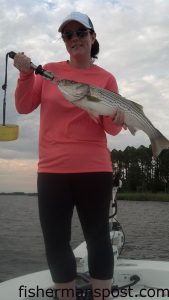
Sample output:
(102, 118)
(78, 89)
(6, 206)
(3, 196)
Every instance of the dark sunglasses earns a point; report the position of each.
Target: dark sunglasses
(81, 33)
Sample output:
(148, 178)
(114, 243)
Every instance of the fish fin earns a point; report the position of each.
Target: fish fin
(139, 106)
(158, 144)
(95, 118)
(132, 129)
(93, 115)
(92, 98)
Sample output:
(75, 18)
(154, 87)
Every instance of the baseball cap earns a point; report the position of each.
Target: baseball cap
(79, 17)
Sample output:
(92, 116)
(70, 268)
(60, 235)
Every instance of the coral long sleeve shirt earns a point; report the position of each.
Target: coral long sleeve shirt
(70, 141)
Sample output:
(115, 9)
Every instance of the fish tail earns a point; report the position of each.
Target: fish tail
(158, 144)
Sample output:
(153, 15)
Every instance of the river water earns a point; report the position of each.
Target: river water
(146, 227)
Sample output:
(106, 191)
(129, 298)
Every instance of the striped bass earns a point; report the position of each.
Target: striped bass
(98, 101)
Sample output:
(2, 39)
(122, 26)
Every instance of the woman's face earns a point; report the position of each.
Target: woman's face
(78, 46)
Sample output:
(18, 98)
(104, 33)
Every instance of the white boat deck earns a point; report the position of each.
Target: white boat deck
(153, 283)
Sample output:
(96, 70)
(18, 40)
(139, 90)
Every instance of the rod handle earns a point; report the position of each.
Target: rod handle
(38, 69)
(12, 54)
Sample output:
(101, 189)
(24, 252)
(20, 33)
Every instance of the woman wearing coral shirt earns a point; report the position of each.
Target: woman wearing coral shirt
(74, 168)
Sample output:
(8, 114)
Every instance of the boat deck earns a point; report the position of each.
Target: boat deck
(153, 282)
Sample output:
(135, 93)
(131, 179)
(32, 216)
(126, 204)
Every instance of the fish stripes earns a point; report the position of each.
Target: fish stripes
(99, 101)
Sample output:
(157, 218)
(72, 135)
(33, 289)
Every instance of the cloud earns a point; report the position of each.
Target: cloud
(133, 37)
(17, 175)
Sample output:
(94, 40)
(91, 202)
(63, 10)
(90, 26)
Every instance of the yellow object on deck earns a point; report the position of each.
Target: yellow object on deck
(9, 132)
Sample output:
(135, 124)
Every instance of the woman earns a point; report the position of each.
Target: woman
(74, 167)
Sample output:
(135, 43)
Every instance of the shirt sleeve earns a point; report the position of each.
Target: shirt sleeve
(28, 92)
(107, 121)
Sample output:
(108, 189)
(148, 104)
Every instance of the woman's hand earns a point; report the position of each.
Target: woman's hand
(22, 62)
(118, 119)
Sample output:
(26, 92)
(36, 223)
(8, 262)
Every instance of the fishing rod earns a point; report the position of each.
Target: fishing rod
(10, 132)
(38, 69)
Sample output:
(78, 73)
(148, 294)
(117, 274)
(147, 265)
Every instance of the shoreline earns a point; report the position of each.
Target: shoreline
(128, 196)
(18, 194)
(143, 196)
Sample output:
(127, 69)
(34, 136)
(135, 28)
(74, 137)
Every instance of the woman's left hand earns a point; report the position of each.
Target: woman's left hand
(118, 119)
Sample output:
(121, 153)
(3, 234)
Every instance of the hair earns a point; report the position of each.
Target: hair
(95, 47)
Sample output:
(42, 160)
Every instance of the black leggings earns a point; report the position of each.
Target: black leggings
(91, 194)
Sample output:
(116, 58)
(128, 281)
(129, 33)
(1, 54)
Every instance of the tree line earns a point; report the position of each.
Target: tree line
(139, 171)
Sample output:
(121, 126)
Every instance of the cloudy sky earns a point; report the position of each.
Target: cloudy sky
(134, 42)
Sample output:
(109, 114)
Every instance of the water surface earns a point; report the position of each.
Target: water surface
(146, 227)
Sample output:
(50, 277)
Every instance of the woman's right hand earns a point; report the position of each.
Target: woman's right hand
(22, 62)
